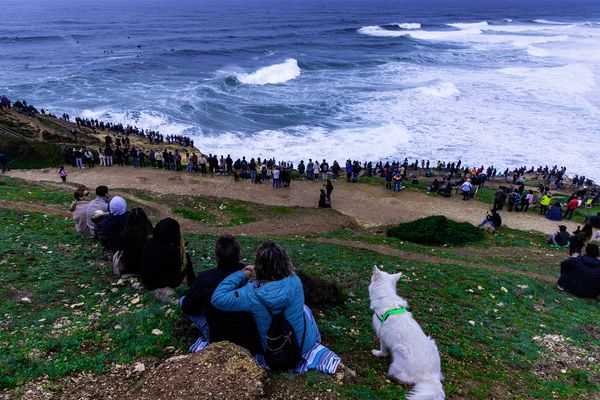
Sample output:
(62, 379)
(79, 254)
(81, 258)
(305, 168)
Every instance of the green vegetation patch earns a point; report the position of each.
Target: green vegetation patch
(437, 230)
(15, 190)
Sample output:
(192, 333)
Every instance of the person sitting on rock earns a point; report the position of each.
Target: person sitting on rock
(109, 229)
(79, 209)
(165, 262)
(560, 238)
(581, 275)
(271, 288)
(216, 325)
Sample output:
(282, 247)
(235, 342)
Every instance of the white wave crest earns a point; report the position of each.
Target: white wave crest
(378, 31)
(439, 88)
(545, 21)
(469, 25)
(409, 25)
(273, 74)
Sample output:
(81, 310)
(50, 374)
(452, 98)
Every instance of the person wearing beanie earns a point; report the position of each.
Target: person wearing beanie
(109, 229)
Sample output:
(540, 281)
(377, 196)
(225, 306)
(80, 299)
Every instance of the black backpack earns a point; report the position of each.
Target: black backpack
(282, 350)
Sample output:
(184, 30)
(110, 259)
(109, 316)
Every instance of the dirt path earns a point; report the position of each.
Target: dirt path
(368, 205)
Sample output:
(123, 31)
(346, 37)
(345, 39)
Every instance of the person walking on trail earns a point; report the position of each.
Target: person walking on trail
(466, 189)
(62, 173)
(572, 205)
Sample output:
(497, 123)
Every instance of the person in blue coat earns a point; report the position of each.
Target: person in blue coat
(555, 213)
(270, 283)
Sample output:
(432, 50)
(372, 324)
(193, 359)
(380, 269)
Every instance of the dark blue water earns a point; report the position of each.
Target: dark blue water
(486, 81)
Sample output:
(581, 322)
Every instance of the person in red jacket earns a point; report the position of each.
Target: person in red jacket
(572, 205)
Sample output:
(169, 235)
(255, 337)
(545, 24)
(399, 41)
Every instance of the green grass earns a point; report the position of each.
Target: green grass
(16, 190)
(215, 212)
(42, 258)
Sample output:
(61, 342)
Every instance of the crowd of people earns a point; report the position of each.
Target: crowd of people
(120, 130)
(243, 304)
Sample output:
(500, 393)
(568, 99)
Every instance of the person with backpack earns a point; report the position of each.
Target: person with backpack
(273, 293)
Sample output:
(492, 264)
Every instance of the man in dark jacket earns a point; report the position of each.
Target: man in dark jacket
(581, 275)
(236, 327)
(499, 200)
(560, 238)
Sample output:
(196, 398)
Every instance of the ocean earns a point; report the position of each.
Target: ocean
(508, 83)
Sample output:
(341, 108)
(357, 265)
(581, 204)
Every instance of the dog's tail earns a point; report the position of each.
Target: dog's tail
(427, 391)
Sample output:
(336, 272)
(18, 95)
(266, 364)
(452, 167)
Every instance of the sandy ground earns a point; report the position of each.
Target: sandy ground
(368, 205)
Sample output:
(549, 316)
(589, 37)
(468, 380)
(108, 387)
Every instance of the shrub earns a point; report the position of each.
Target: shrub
(436, 230)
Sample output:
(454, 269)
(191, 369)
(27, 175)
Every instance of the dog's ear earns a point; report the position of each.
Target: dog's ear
(376, 270)
(396, 277)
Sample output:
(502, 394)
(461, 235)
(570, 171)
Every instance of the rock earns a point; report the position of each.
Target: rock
(139, 367)
(156, 332)
(221, 371)
(25, 300)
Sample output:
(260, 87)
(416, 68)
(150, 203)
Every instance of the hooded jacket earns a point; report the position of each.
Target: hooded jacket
(236, 293)
(581, 276)
(109, 229)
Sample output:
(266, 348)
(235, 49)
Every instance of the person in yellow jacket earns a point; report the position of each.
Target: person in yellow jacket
(545, 202)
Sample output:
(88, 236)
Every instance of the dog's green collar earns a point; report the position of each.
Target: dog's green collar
(386, 314)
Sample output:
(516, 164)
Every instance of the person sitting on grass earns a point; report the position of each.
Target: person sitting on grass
(216, 325)
(560, 238)
(493, 219)
(131, 243)
(109, 229)
(97, 206)
(579, 238)
(434, 187)
(268, 289)
(165, 262)
(446, 191)
(581, 275)
(79, 208)
(594, 220)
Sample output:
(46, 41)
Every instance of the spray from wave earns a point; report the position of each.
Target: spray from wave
(273, 74)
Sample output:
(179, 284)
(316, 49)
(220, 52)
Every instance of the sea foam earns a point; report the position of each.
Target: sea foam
(273, 74)
(409, 25)
(439, 88)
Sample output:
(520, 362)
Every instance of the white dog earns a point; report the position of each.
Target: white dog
(415, 357)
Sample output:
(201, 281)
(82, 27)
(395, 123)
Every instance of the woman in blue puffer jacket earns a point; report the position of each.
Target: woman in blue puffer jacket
(270, 283)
